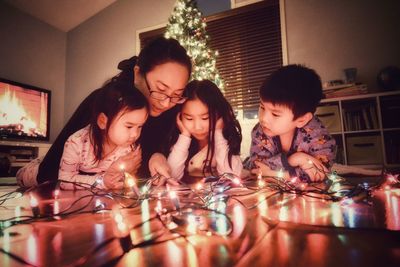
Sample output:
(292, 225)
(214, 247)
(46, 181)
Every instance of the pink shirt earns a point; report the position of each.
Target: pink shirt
(180, 152)
(79, 156)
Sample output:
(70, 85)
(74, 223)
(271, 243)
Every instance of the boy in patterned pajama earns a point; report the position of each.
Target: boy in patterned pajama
(289, 141)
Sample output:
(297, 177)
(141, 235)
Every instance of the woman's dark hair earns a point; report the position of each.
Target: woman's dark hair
(156, 52)
(159, 51)
(295, 86)
(218, 107)
(114, 97)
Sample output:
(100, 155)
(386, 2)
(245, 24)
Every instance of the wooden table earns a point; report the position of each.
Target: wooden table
(284, 230)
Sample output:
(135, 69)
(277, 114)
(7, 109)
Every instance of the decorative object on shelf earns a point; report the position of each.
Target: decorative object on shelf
(345, 89)
(389, 78)
(350, 74)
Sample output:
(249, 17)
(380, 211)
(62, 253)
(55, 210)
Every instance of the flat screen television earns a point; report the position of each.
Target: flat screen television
(24, 112)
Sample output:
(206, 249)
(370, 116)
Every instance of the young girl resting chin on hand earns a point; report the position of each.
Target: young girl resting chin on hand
(209, 137)
(93, 155)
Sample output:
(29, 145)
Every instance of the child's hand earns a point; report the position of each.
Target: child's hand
(158, 164)
(113, 180)
(262, 169)
(180, 125)
(130, 161)
(312, 166)
(220, 124)
(265, 170)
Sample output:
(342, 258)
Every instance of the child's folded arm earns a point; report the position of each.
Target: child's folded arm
(178, 155)
(222, 156)
(322, 149)
(75, 180)
(256, 149)
(261, 152)
(69, 167)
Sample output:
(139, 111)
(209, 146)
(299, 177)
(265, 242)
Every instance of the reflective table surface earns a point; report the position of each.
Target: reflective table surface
(253, 228)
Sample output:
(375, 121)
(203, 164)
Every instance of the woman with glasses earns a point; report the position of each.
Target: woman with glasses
(161, 72)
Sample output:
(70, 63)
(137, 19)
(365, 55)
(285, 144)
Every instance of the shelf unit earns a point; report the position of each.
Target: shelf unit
(19, 154)
(366, 128)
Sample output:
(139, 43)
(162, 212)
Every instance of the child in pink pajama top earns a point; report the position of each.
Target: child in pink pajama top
(78, 163)
(92, 155)
(208, 142)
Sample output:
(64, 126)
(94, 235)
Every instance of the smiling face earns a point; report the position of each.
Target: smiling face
(126, 128)
(169, 79)
(195, 118)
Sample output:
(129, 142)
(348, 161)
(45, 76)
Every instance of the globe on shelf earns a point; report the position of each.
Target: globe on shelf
(389, 78)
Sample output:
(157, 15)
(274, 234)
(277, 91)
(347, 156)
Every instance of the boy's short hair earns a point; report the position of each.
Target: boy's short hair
(295, 86)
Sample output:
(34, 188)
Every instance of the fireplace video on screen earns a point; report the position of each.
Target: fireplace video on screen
(23, 112)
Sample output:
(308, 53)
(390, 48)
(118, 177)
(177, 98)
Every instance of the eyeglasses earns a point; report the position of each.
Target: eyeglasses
(161, 96)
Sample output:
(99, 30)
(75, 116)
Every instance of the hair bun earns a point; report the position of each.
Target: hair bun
(127, 64)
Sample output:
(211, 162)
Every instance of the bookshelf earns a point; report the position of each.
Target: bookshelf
(366, 128)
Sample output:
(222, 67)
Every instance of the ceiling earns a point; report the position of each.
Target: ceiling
(61, 14)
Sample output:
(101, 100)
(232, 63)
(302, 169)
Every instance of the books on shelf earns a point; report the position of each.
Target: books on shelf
(360, 118)
(335, 84)
(345, 90)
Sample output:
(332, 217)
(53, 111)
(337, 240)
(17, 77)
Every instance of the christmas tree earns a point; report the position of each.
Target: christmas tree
(188, 27)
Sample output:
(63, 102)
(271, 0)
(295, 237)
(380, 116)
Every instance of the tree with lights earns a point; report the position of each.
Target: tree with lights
(188, 27)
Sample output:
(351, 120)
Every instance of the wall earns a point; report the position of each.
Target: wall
(97, 46)
(33, 52)
(323, 34)
(332, 35)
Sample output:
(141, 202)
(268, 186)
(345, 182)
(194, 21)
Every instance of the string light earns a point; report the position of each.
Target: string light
(174, 200)
(17, 212)
(130, 183)
(56, 193)
(34, 206)
(237, 181)
(159, 208)
(390, 181)
(294, 180)
(333, 177)
(56, 209)
(121, 230)
(280, 174)
(260, 181)
(346, 201)
(193, 220)
(99, 205)
(199, 186)
(192, 224)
